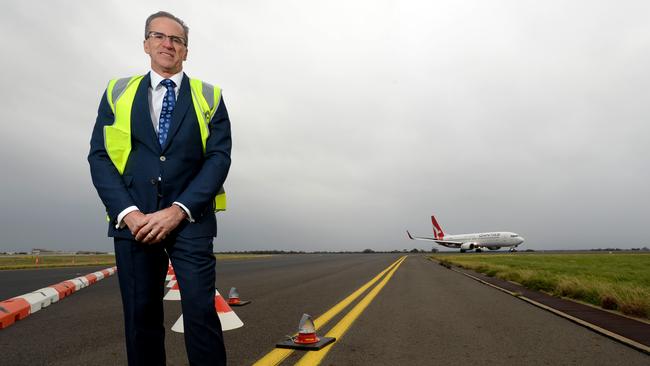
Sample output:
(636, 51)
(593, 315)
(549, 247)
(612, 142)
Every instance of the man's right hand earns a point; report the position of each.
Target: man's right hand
(135, 220)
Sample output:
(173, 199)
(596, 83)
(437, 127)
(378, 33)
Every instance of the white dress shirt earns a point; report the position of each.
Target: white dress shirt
(156, 94)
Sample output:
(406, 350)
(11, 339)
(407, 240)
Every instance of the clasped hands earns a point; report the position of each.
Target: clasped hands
(154, 227)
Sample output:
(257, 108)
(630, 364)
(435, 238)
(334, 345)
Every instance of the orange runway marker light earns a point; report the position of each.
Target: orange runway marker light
(234, 300)
(306, 340)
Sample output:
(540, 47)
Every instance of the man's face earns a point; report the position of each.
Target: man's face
(166, 55)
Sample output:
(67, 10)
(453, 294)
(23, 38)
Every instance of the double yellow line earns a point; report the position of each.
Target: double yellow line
(278, 355)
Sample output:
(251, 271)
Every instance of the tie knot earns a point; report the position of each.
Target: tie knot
(168, 83)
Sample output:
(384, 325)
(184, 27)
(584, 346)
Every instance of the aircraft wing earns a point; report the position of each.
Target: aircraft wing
(449, 244)
(444, 243)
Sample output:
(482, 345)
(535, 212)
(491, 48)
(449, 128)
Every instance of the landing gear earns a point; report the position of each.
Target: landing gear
(513, 249)
(462, 250)
(478, 250)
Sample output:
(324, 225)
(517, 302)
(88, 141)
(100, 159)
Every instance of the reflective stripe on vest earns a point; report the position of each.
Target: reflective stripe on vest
(117, 137)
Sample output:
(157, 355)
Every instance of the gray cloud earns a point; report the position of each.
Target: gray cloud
(354, 122)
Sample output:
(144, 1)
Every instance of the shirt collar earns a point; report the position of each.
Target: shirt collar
(156, 79)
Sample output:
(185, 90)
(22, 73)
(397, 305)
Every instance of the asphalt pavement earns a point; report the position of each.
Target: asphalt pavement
(425, 315)
(429, 315)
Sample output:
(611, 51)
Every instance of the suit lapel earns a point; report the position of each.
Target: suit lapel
(182, 105)
(141, 124)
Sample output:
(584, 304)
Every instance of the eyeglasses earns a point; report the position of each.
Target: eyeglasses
(161, 37)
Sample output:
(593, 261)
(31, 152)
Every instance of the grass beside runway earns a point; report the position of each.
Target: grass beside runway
(613, 281)
(55, 261)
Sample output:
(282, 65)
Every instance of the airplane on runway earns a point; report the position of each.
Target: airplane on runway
(478, 241)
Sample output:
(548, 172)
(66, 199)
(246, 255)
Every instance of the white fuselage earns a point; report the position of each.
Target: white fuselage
(476, 241)
(492, 239)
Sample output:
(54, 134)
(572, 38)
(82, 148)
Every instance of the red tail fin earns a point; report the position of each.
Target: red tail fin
(437, 230)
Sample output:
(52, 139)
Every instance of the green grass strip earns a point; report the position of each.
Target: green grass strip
(613, 281)
(57, 261)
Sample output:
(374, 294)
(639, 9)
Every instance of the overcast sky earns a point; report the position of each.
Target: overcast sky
(353, 120)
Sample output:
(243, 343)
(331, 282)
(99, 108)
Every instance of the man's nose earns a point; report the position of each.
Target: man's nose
(167, 42)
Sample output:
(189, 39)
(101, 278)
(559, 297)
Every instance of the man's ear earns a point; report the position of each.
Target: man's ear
(145, 46)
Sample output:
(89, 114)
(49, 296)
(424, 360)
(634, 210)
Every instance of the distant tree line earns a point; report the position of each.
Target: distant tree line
(644, 249)
(366, 251)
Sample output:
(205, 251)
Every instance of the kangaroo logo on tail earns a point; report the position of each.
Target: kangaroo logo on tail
(437, 230)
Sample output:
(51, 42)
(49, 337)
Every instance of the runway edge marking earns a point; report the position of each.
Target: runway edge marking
(276, 356)
(617, 337)
(315, 357)
(19, 307)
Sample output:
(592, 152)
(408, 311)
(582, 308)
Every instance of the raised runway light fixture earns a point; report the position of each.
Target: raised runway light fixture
(234, 300)
(306, 339)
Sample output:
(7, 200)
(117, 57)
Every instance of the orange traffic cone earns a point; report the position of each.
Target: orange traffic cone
(170, 273)
(173, 294)
(306, 339)
(229, 320)
(233, 298)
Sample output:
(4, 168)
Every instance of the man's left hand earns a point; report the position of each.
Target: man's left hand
(160, 224)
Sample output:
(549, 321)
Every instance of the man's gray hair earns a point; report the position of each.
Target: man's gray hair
(164, 14)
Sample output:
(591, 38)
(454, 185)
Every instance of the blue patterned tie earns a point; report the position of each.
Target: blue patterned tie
(169, 101)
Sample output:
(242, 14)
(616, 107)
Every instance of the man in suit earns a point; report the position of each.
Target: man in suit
(160, 204)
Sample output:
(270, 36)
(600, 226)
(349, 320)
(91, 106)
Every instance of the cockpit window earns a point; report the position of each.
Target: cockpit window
(514, 235)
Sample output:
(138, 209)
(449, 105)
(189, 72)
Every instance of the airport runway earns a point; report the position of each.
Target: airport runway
(424, 315)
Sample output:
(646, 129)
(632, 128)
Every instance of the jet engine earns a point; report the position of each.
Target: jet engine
(468, 246)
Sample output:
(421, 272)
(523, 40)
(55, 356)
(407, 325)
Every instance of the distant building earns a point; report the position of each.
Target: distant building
(37, 251)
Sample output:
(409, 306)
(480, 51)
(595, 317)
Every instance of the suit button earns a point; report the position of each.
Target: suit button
(163, 158)
(153, 181)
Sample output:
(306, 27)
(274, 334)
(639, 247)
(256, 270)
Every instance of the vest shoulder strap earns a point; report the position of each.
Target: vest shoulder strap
(209, 97)
(117, 87)
(212, 96)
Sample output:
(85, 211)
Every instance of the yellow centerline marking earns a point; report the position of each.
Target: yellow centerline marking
(278, 355)
(315, 357)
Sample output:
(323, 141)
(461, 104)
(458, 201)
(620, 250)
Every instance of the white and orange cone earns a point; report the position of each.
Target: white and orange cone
(229, 320)
(173, 294)
(170, 273)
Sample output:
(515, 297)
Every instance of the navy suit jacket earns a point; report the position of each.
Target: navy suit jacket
(187, 175)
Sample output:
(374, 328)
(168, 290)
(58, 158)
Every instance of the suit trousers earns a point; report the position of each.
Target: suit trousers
(141, 270)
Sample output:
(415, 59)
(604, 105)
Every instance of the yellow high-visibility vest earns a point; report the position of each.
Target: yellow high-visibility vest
(117, 137)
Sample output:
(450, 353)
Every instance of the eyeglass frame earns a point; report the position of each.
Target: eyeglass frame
(175, 39)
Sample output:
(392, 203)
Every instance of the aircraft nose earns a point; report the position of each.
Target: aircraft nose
(521, 239)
